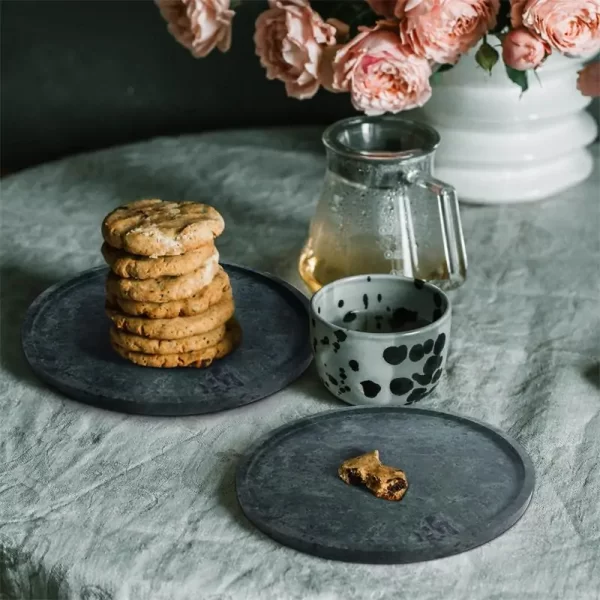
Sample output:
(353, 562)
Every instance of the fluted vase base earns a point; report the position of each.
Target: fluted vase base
(500, 146)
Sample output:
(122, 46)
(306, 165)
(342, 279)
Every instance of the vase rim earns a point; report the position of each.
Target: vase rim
(381, 138)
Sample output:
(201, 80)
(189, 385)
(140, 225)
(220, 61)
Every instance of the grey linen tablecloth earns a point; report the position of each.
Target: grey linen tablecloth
(100, 505)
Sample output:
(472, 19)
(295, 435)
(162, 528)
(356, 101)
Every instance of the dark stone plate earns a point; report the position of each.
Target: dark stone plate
(65, 340)
(468, 483)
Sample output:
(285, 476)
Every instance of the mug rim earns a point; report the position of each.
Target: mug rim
(389, 335)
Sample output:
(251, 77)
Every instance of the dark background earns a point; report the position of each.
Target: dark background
(84, 74)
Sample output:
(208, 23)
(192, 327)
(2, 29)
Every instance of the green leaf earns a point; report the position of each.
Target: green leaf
(518, 77)
(353, 12)
(503, 18)
(435, 78)
(487, 57)
(438, 71)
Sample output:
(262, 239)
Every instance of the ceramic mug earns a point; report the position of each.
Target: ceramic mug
(380, 339)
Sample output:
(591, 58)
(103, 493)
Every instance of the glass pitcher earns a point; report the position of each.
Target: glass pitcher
(380, 210)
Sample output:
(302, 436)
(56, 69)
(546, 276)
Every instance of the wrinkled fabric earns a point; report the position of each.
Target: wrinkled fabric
(107, 506)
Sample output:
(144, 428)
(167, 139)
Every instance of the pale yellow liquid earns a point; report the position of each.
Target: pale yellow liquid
(323, 263)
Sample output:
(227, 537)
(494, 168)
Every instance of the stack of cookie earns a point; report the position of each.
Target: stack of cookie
(169, 300)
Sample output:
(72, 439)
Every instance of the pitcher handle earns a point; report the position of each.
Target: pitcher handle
(452, 234)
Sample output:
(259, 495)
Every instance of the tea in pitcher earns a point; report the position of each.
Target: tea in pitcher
(321, 264)
(380, 210)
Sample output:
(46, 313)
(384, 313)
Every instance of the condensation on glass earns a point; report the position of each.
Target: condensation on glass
(380, 210)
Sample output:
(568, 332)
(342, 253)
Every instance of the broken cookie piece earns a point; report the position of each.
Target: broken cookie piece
(383, 481)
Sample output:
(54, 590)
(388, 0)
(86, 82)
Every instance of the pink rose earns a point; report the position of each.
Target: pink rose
(516, 12)
(569, 26)
(342, 30)
(588, 82)
(289, 40)
(522, 50)
(442, 30)
(199, 25)
(381, 75)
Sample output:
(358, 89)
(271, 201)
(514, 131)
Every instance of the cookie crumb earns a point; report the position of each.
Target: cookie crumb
(381, 480)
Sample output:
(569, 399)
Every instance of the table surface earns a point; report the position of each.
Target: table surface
(101, 505)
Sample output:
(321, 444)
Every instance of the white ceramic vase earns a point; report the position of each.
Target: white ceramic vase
(501, 146)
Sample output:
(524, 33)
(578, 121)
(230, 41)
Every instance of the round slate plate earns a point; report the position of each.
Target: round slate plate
(468, 483)
(66, 342)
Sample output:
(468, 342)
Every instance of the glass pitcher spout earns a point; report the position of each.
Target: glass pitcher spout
(381, 210)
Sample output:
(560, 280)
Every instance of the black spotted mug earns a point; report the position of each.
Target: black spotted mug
(380, 339)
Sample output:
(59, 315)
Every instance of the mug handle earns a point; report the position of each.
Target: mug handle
(452, 234)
